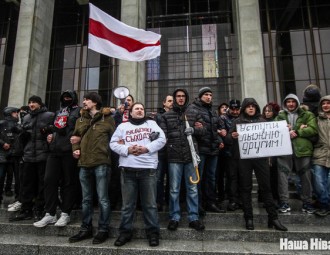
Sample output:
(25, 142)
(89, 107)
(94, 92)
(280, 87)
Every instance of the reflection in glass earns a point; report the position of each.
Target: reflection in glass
(93, 77)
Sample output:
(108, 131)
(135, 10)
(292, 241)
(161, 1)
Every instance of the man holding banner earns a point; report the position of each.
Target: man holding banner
(250, 113)
(303, 127)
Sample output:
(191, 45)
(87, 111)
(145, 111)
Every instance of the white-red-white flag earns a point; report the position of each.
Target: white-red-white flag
(115, 39)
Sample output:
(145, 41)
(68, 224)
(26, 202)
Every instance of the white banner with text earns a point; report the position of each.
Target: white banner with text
(264, 139)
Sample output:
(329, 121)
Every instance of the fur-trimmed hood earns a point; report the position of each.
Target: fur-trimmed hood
(103, 111)
(321, 113)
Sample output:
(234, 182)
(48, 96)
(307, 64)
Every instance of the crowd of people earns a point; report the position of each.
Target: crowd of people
(95, 155)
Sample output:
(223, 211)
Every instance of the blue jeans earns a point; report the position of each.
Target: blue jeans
(101, 174)
(136, 181)
(321, 184)
(207, 171)
(176, 171)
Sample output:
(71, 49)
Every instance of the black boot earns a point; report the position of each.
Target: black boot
(277, 225)
(82, 235)
(249, 224)
(22, 215)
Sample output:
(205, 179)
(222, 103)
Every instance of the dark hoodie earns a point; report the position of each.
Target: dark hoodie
(244, 118)
(64, 124)
(178, 108)
(173, 125)
(8, 133)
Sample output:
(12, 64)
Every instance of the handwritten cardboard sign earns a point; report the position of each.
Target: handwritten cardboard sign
(264, 139)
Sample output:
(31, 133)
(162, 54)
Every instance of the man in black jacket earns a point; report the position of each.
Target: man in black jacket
(208, 147)
(180, 159)
(162, 168)
(8, 136)
(61, 167)
(34, 157)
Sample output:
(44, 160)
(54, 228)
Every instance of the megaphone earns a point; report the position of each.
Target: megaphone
(121, 93)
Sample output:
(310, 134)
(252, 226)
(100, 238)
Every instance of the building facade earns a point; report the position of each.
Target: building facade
(240, 48)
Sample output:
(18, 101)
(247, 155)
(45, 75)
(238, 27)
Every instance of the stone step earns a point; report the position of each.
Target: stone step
(232, 229)
(224, 234)
(296, 216)
(44, 245)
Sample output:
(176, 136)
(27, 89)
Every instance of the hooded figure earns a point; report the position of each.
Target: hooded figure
(65, 101)
(311, 98)
(321, 155)
(292, 113)
(9, 139)
(250, 113)
(302, 129)
(180, 108)
(180, 165)
(64, 122)
(321, 152)
(61, 167)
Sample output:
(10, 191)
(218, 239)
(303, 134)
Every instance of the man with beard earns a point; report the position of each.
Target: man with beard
(34, 159)
(95, 128)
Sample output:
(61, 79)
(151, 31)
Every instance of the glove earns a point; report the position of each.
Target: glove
(153, 136)
(189, 131)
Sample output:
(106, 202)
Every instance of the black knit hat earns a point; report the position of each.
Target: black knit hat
(203, 90)
(36, 99)
(311, 93)
(95, 97)
(234, 104)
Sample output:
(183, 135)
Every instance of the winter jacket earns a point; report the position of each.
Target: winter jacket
(64, 124)
(321, 154)
(302, 145)
(244, 118)
(162, 154)
(95, 136)
(209, 143)
(226, 122)
(10, 134)
(34, 124)
(173, 124)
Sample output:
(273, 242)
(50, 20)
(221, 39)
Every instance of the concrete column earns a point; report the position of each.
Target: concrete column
(132, 74)
(251, 59)
(30, 66)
